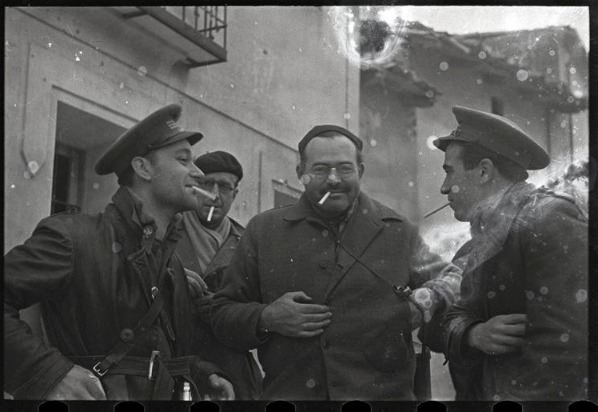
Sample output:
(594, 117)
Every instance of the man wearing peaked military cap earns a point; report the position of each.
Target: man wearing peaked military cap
(519, 331)
(116, 302)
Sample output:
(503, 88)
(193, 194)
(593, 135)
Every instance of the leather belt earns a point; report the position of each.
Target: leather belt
(133, 365)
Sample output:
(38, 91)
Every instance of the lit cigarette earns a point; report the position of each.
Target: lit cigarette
(323, 199)
(436, 210)
(205, 193)
(210, 213)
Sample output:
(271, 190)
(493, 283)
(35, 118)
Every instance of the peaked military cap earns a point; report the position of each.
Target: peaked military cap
(318, 130)
(498, 134)
(219, 161)
(157, 130)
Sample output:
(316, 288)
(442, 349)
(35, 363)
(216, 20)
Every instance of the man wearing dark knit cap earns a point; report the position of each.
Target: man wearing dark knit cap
(322, 288)
(209, 239)
(116, 304)
(519, 330)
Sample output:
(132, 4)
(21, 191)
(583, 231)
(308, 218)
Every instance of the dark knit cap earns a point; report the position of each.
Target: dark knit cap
(318, 130)
(219, 161)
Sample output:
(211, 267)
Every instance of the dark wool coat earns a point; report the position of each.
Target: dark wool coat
(538, 266)
(366, 352)
(93, 276)
(239, 366)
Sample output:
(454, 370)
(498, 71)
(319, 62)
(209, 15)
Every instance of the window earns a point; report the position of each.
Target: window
(67, 173)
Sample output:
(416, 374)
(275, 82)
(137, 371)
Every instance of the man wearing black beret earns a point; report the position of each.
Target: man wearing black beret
(519, 331)
(323, 288)
(116, 304)
(209, 239)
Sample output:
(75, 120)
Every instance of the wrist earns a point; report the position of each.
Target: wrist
(263, 324)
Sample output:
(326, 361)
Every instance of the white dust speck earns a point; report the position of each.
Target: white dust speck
(544, 359)
(142, 70)
(411, 184)
(479, 81)
(325, 233)
(549, 70)
(310, 383)
(496, 398)
(581, 295)
(116, 247)
(529, 294)
(95, 186)
(564, 337)
(455, 189)
(502, 287)
(305, 179)
(12, 186)
(482, 55)
(572, 70)
(232, 86)
(544, 290)
(27, 175)
(429, 94)
(373, 143)
(491, 294)
(551, 52)
(49, 44)
(444, 66)
(121, 85)
(522, 75)
(347, 116)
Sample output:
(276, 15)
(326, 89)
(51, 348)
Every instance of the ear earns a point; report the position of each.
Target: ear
(142, 168)
(299, 169)
(235, 193)
(360, 169)
(487, 171)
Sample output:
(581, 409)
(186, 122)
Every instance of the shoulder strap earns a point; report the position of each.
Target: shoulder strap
(124, 346)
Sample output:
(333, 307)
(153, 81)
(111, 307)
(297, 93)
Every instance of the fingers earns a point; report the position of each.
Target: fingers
(308, 308)
(298, 296)
(505, 340)
(309, 334)
(311, 326)
(94, 386)
(513, 330)
(316, 317)
(513, 318)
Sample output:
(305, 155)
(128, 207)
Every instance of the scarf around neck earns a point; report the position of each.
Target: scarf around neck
(205, 242)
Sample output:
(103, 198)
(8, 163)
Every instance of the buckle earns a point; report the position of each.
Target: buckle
(97, 371)
(155, 353)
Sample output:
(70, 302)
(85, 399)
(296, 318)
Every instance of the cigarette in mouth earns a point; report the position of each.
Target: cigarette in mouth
(205, 193)
(323, 199)
(210, 213)
(436, 210)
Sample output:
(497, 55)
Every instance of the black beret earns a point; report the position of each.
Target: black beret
(157, 130)
(318, 130)
(219, 161)
(498, 134)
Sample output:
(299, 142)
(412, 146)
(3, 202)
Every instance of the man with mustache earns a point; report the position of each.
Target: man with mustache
(519, 330)
(323, 288)
(209, 239)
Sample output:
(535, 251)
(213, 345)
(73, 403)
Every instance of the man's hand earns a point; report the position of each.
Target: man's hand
(219, 389)
(499, 335)
(290, 315)
(78, 384)
(416, 316)
(197, 286)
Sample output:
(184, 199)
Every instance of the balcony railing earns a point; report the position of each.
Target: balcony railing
(199, 31)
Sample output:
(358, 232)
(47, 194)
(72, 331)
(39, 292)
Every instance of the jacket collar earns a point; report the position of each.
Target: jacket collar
(143, 226)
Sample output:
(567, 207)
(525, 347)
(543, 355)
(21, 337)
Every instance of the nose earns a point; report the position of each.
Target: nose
(445, 188)
(332, 177)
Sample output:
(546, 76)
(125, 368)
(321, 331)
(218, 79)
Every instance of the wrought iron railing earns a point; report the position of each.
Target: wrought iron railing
(207, 20)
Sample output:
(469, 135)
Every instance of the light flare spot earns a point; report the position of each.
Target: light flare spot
(544, 290)
(116, 247)
(522, 75)
(444, 66)
(373, 143)
(529, 294)
(310, 383)
(347, 116)
(455, 189)
(305, 179)
(581, 295)
(564, 337)
(12, 186)
(142, 70)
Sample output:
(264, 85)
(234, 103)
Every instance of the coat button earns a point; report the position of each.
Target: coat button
(324, 264)
(127, 335)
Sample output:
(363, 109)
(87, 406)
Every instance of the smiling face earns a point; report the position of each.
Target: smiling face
(462, 187)
(321, 155)
(224, 186)
(172, 176)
